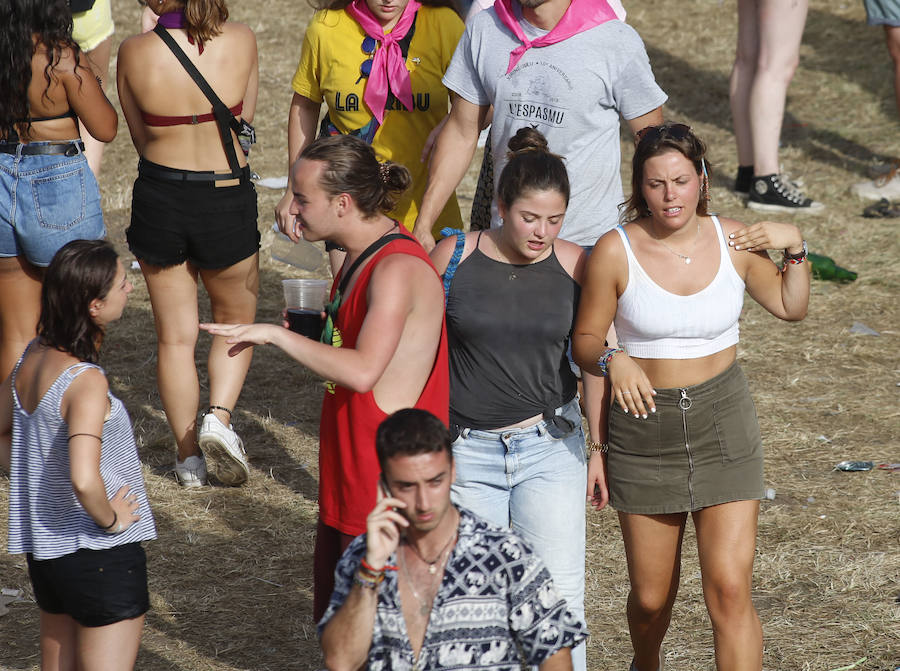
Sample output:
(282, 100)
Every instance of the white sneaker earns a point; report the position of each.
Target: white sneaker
(885, 186)
(191, 472)
(225, 449)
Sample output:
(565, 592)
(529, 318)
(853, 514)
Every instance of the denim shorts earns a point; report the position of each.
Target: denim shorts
(94, 587)
(46, 201)
(700, 448)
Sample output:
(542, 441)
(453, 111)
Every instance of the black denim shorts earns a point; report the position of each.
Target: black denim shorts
(208, 225)
(700, 448)
(94, 587)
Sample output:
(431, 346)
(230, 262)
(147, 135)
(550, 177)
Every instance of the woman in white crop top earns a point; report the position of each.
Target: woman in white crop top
(684, 437)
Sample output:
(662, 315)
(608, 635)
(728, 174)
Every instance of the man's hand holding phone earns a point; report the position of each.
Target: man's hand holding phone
(384, 526)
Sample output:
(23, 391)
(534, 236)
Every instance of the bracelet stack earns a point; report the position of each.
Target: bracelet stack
(603, 361)
(602, 448)
(368, 577)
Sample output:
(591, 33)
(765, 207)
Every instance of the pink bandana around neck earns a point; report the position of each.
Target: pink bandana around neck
(388, 64)
(580, 16)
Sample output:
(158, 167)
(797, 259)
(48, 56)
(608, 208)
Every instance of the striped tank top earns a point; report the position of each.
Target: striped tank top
(45, 517)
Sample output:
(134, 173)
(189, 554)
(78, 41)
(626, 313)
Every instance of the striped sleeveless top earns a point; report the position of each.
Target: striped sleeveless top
(45, 517)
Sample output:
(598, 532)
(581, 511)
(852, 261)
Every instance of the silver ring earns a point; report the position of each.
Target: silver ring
(626, 392)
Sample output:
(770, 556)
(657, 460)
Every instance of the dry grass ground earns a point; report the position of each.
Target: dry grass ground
(230, 576)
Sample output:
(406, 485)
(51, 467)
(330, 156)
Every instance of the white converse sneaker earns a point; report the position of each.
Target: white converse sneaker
(191, 472)
(885, 186)
(225, 450)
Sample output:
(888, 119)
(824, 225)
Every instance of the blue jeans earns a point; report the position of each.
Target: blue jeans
(534, 481)
(45, 202)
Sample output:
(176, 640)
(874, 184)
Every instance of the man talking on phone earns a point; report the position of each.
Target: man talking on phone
(432, 586)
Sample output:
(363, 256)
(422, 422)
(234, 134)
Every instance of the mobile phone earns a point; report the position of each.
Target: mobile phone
(382, 482)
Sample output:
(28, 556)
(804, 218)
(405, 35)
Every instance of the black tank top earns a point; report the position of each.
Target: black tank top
(508, 329)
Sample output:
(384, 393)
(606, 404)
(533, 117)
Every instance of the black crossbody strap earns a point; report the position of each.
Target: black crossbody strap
(225, 120)
(371, 249)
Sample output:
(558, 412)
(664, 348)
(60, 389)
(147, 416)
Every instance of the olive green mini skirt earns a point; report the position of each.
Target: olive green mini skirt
(700, 448)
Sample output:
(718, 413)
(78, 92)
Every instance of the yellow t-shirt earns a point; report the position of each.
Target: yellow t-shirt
(329, 70)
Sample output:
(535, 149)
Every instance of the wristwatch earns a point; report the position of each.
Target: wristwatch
(797, 258)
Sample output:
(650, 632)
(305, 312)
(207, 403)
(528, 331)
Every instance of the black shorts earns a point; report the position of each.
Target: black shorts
(93, 587)
(174, 221)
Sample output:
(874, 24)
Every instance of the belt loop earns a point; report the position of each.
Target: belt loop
(464, 432)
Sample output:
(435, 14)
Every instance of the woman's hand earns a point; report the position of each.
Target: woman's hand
(124, 505)
(767, 235)
(630, 385)
(597, 487)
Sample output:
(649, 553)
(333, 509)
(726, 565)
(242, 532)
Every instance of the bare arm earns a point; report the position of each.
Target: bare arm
(561, 660)
(452, 155)
(6, 402)
(302, 119)
(252, 93)
(84, 407)
(652, 118)
(125, 61)
(391, 295)
(784, 294)
(347, 637)
(86, 97)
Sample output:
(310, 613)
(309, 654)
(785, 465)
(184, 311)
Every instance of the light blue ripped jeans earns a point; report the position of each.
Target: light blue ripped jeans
(532, 480)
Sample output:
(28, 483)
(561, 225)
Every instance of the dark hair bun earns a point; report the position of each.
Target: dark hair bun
(527, 139)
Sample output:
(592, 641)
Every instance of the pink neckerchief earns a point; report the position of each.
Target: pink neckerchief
(388, 64)
(580, 16)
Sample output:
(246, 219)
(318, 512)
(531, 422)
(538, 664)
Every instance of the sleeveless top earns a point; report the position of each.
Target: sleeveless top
(348, 466)
(508, 342)
(652, 323)
(45, 516)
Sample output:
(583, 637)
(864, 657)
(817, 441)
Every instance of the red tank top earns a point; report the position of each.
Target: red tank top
(348, 466)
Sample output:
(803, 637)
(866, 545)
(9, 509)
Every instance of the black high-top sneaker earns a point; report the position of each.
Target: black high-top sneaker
(774, 193)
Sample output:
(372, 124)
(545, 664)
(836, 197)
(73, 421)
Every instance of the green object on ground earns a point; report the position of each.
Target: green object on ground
(824, 268)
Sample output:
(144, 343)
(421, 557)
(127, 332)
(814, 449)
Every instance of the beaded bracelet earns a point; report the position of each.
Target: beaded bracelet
(603, 361)
(364, 581)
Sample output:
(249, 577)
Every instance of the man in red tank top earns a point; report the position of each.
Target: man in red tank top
(385, 340)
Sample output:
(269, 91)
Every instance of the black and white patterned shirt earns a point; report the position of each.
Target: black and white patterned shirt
(496, 597)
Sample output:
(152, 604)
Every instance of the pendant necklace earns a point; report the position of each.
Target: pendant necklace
(684, 257)
(424, 605)
(432, 565)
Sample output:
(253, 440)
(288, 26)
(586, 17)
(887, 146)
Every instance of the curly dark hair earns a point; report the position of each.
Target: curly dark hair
(80, 271)
(51, 21)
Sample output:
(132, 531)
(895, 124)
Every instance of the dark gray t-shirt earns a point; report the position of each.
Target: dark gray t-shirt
(573, 92)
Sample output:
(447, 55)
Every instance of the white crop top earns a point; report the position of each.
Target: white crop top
(652, 323)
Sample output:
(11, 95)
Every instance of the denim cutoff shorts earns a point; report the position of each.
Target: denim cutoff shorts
(700, 448)
(46, 201)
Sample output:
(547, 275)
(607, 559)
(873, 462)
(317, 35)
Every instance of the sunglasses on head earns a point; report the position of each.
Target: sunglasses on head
(676, 131)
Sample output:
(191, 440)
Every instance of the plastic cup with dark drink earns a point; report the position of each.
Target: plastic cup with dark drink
(305, 301)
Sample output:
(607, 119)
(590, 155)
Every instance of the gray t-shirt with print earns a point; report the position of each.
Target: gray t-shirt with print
(573, 92)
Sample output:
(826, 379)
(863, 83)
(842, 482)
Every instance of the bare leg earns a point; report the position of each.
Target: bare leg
(742, 76)
(653, 551)
(726, 544)
(173, 295)
(110, 648)
(780, 31)
(892, 34)
(99, 58)
(57, 642)
(232, 294)
(20, 308)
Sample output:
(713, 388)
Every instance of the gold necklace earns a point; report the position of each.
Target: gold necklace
(684, 257)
